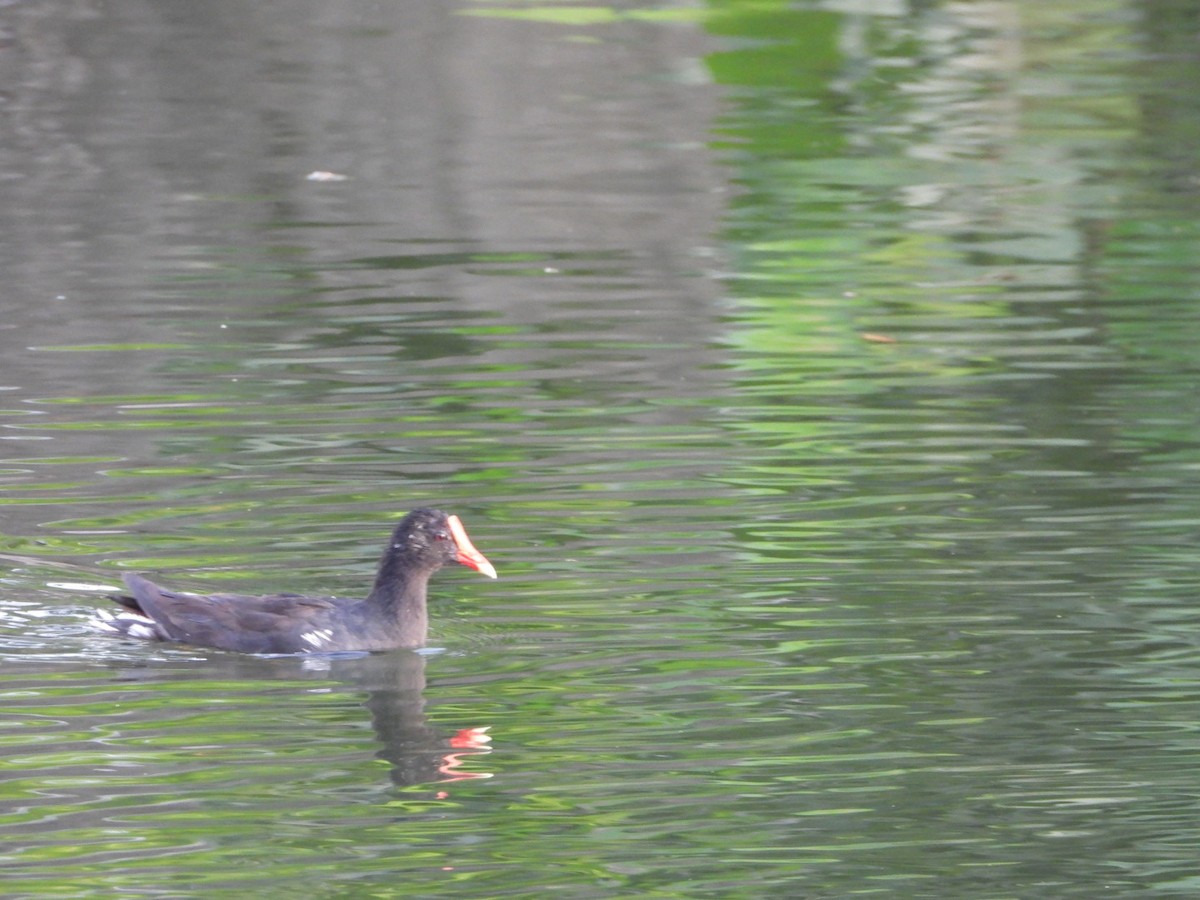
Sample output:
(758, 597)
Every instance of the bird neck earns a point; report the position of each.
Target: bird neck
(398, 597)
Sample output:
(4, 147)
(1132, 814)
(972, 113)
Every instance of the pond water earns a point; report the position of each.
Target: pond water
(818, 376)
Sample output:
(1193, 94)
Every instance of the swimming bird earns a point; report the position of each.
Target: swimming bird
(393, 616)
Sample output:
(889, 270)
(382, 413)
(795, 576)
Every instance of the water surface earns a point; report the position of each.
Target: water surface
(818, 378)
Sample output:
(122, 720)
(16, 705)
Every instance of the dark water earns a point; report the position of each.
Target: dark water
(820, 378)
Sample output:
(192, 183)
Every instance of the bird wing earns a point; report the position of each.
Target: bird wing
(268, 624)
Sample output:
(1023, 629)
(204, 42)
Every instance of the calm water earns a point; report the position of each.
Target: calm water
(821, 379)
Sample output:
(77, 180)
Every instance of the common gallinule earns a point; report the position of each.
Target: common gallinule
(393, 615)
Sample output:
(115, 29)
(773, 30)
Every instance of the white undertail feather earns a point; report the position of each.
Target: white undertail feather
(129, 623)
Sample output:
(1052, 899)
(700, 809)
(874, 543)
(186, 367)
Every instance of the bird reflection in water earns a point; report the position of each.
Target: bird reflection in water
(414, 748)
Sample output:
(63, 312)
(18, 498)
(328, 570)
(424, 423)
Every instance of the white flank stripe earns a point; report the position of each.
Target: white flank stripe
(317, 638)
